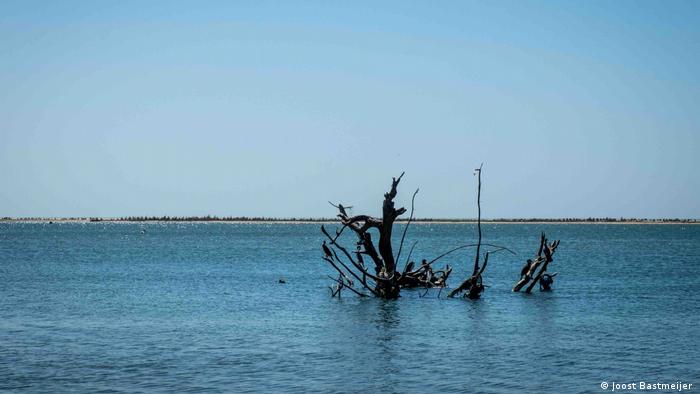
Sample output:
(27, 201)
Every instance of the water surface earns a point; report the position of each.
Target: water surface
(191, 307)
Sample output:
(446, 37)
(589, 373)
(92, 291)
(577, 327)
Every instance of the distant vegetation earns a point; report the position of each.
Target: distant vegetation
(210, 218)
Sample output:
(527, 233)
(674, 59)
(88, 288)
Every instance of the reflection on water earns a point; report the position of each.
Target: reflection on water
(194, 307)
(387, 315)
(387, 324)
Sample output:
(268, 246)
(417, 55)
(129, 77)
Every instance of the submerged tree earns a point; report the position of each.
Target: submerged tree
(384, 282)
(529, 271)
(473, 286)
(382, 279)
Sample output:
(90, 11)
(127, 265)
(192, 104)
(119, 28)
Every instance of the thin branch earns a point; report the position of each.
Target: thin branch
(478, 223)
(359, 267)
(339, 232)
(336, 245)
(468, 246)
(413, 199)
(364, 283)
(347, 287)
(410, 252)
(330, 261)
(364, 237)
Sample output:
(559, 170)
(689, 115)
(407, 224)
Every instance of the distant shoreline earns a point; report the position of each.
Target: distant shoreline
(212, 219)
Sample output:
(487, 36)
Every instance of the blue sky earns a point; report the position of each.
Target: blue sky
(577, 109)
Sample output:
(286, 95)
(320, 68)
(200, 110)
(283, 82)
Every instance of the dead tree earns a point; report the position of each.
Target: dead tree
(382, 279)
(529, 274)
(473, 286)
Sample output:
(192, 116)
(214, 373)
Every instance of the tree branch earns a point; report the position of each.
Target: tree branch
(407, 224)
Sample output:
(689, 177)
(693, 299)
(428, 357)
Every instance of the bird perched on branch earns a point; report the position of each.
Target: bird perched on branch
(358, 254)
(546, 282)
(548, 253)
(526, 268)
(409, 267)
(327, 250)
(341, 208)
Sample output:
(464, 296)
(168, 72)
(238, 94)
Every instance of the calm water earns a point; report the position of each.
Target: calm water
(197, 307)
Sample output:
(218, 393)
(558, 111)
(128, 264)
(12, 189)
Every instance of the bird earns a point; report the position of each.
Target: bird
(341, 208)
(546, 282)
(409, 267)
(548, 254)
(360, 260)
(326, 250)
(526, 268)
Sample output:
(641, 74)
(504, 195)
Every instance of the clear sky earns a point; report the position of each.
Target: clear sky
(577, 109)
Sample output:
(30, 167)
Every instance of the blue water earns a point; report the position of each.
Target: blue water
(198, 307)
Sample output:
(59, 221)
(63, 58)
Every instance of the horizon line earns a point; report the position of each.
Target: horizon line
(214, 218)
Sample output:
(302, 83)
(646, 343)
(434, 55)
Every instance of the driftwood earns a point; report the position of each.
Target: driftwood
(529, 274)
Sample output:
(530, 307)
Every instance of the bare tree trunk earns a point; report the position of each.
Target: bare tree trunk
(478, 220)
(385, 280)
(389, 215)
(473, 286)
